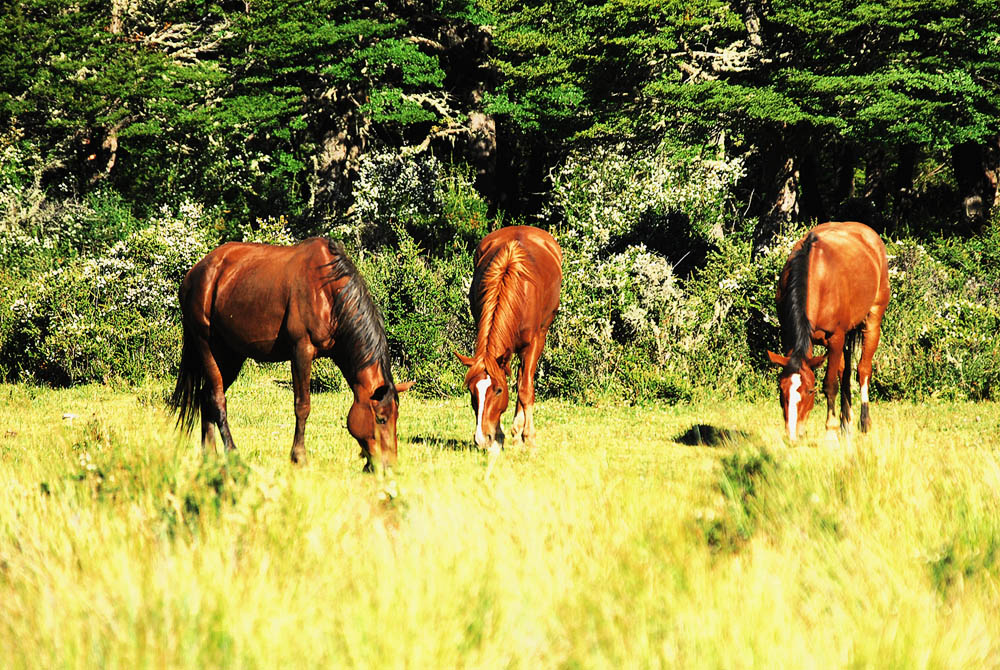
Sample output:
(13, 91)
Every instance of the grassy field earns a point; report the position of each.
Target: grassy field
(619, 542)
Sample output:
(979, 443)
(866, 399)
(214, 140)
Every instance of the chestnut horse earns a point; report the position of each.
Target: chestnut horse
(834, 286)
(295, 304)
(514, 297)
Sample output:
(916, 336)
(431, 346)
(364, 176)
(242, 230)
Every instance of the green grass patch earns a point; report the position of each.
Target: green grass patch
(618, 542)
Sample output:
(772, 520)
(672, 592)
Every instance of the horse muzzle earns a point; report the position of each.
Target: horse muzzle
(490, 442)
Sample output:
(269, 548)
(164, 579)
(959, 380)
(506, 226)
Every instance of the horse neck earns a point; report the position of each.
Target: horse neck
(365, 381)
(501, 285)
(360, 345)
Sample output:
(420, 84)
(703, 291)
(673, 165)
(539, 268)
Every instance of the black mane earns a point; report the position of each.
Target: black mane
(796, 331)
(359, 335)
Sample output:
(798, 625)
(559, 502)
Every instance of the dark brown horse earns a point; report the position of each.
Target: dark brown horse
(294, 303)
(834, 286)
(514, 297)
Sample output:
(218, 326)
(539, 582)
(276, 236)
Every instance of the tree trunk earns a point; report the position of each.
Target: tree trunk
(777, 186)
(991, 165)
(811, 201)
(844, 184)
(975, 191)
(902, 190)
(106, 154)
(877, 187)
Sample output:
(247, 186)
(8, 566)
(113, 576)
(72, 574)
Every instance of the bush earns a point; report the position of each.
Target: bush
(626, 317)
(604, 196)
(425, 306)
(415, 196)
(939, 332)
(110, 316)
(419, 221)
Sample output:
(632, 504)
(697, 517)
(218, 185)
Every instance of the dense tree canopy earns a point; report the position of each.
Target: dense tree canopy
(265, 106)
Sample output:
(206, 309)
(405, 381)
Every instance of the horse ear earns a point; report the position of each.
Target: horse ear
(404, 386)
(816, 361)
(466, 361)
(777, 359)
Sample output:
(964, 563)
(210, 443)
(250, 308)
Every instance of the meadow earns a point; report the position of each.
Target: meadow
(623, 540)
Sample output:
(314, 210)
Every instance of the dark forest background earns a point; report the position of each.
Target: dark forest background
(676, 149)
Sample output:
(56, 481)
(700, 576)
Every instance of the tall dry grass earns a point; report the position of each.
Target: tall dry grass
(612, 545)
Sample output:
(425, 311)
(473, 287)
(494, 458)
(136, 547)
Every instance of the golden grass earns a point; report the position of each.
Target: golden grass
(611, 545)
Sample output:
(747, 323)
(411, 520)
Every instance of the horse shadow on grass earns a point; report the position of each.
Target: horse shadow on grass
(443, 443)
(705, 435)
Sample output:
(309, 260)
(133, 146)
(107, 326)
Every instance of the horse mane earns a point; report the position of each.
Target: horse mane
(796, 331)
(499, 278)
(359, 331)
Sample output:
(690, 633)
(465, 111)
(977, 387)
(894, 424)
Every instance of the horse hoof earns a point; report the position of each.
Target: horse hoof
(299, 457)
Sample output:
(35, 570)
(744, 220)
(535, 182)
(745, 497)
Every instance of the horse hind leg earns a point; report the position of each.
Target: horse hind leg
(831, 382)
(846, 413)
(872, 334)
(220, 372)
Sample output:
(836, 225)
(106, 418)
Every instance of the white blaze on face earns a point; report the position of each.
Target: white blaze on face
(793, 404)
(482, 386)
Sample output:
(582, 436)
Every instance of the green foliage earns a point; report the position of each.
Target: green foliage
(113, 315)
(637, 329)
(425, 306)
(744, 473)
(109, 468)
(939, 334)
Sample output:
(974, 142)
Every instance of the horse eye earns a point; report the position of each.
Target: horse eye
(499, 389)
(380, 420)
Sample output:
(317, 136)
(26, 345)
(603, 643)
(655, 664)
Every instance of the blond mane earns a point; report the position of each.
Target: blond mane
(501, 289)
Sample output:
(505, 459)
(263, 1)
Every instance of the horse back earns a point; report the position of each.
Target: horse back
(848, 275)
(259, 299)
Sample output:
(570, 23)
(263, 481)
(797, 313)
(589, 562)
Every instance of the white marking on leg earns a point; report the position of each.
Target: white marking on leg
(482, 386)
(793, 405)
(517, 428)
(864, 393)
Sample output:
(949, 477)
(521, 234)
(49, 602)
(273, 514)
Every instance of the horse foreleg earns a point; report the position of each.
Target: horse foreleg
(872, 334)
(831, 382)
(524, 421)
(302, 360)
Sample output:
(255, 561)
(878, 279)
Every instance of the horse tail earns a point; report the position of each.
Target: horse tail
(190, 381)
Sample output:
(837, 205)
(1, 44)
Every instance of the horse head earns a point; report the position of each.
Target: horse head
(796, 388)
(490, 396)
(372, 422)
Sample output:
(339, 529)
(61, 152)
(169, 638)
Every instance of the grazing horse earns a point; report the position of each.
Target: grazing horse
(834, 286)
(297, 303)
(514, 297)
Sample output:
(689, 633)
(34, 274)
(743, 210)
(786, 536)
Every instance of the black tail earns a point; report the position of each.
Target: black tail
(845, 380)
(190, 380)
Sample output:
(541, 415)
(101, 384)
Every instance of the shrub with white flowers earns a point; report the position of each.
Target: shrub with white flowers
(113, 315)
(624, 312)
